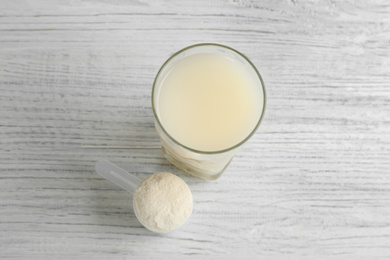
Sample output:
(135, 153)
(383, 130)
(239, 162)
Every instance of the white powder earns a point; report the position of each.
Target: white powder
(162, 202)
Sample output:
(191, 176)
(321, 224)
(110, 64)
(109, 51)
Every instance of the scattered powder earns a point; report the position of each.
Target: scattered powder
(162, 202)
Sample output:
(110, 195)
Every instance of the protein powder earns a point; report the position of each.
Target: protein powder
(162, 202)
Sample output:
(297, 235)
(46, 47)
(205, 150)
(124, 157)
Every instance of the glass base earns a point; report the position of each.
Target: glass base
(192, 170)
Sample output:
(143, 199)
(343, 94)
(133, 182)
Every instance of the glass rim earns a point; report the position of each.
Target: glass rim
(217, 151)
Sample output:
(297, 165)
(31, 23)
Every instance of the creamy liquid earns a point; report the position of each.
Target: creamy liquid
(209, 102)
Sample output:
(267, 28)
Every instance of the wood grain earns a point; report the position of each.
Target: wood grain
(75, 84)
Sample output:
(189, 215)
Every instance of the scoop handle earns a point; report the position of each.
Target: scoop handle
(117, 175)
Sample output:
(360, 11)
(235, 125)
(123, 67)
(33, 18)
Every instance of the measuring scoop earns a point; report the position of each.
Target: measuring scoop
(173, 209)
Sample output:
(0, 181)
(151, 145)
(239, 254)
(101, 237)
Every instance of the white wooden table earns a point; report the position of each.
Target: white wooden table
(75, 84)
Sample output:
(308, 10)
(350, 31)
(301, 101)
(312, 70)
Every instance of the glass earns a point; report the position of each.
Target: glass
(208, 165)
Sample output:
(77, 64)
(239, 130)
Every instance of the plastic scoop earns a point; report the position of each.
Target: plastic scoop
(117, 175)
(135, 186)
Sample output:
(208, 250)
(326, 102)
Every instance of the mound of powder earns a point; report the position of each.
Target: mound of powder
(162, 202)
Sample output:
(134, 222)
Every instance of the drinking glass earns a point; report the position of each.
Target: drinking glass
(208, 165)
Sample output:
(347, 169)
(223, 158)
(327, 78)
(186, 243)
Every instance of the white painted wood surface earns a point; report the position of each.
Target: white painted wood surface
(75, 84)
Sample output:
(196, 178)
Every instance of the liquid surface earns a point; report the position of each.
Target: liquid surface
(209, 102)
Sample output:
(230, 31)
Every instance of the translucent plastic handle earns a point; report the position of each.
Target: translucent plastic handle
(116, 175)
